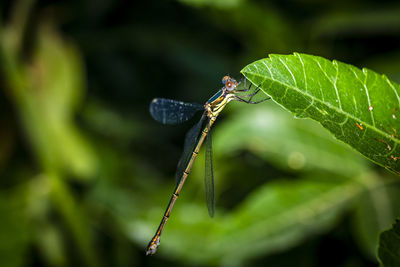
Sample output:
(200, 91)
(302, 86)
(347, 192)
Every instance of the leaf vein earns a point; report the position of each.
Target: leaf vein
(329, 79)
(335, 82)
(270, 72)
(368, 98)
(304, 71)
(344, 122)
(294, 79)
(341, 111)
(394, 89)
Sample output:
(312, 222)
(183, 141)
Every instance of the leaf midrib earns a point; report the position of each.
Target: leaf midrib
(397, 141)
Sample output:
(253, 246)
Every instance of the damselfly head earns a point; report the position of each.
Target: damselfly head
(229, 83)
(225, 79)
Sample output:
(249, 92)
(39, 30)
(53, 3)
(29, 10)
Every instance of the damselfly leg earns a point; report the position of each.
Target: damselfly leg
(169, 111)
(241, 98)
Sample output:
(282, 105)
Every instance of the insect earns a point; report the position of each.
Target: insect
(169, 111)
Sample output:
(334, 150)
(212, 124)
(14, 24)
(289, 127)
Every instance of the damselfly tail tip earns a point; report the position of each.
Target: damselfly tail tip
(153, 245)
(151, 249)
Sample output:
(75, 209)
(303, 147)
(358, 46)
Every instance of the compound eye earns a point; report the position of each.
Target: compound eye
(225, 79)
(229, 85)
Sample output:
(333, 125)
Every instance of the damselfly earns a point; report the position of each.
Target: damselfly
(169, 111)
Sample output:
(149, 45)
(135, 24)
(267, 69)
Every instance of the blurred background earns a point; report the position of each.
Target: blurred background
(85, 173)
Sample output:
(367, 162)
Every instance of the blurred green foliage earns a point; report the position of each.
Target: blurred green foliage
(85, 174)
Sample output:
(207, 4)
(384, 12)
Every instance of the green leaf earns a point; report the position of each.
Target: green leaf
(276, 136)
(359, 107)
(389, 246)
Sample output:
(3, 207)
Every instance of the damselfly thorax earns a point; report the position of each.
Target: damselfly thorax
(169, 111)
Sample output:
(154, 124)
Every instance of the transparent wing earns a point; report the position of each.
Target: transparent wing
(191, 139)
(209, 177)
(168, 111)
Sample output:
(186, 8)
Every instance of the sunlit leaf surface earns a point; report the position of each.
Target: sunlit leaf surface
(359, 107)
(276, 136)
